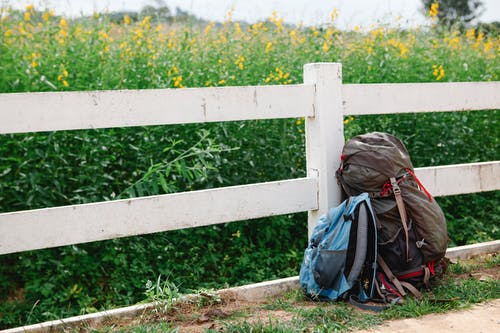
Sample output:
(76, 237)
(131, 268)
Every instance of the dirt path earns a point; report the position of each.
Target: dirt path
(484, 318)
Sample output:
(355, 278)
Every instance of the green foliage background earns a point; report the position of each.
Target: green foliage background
(41, 52)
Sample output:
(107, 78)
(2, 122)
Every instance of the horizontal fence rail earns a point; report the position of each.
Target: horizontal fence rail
(50, 227)
(460, 178)
(53, 111)
(365, 99)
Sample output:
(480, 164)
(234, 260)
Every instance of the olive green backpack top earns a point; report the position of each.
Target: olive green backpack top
(411, 227)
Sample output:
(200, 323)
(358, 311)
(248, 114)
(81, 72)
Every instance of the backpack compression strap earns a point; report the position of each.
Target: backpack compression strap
(402, 211)
(400, 285)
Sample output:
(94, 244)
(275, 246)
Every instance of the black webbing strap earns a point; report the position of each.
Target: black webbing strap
(364, 306)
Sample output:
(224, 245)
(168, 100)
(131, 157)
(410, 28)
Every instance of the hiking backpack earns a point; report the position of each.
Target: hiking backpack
(340, 260)
(411, 228)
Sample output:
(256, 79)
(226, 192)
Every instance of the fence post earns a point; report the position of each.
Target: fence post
(324, 134)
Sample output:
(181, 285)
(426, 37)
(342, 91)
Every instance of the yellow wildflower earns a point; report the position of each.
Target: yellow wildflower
(62, 23)
(102, 35)
(240, 62)
(146, 23)
(27, 16)
(278, 21)
(208, 28)
(178, 81)
(479, 39)
(269, 47)
(377, 32)
(488, 45)
(65, 83)
(403, 49)
(229, 15)
(471, 34)
(325, 47)
(221, 82)
(46, 16)
(348, 120)
(222, 38)
(237, 27)
(329, 33)
(453, 42)
(8, 33)
(126, 20)
(438, 72)
(334, 14)
(434, 10)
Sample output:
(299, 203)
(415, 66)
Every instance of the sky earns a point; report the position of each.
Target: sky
(309, 12)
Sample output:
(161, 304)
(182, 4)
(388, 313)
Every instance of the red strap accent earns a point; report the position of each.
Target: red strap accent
(431, 267)
(420, 185)
(411, 275)
(387, 285)
(343, 157)
(386, 188)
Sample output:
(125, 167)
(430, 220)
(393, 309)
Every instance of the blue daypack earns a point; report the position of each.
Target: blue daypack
(340, 261)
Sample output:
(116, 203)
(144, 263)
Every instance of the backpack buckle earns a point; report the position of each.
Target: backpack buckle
(395, 187)
(420, 243)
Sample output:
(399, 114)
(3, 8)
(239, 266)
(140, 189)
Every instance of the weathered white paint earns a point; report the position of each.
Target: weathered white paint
(324, 134)
(89, 321)
(50, 111)
(460, 178)
(49, 227)
(362, 99)
(472, 250)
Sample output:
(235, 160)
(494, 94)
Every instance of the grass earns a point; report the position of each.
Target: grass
(464, 285)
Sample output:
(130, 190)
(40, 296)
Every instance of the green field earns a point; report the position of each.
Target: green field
(42, 52)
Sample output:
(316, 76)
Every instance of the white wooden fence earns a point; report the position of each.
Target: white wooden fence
(322, 99)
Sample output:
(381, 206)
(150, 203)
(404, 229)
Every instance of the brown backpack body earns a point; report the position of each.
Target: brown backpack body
(411, 227)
